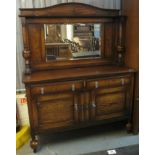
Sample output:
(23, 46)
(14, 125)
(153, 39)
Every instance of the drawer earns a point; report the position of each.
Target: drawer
(109, 82)
(56, 87)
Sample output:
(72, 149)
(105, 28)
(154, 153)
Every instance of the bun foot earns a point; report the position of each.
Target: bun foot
(129, 127)
(34, 145)
(34, 150)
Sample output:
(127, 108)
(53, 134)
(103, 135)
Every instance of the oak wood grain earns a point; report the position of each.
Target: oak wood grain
(72, 94)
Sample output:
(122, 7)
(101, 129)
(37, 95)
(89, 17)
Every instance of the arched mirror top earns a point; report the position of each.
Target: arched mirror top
(69, 10)
(70, 35)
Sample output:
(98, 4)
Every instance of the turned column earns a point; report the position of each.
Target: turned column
(121, 41)
(26, 51)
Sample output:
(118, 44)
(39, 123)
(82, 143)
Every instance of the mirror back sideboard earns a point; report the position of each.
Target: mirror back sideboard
(75, 75)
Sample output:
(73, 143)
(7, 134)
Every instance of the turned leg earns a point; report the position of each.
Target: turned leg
(129, 127)
(34, 144)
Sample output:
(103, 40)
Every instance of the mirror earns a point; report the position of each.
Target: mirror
(72, 41)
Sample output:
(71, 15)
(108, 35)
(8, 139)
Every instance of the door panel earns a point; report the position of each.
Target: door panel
(56, 110)
(111, 102)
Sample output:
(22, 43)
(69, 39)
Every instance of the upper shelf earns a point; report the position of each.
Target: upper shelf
(68, 10)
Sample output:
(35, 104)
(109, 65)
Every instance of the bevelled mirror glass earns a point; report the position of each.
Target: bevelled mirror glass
(72, 41)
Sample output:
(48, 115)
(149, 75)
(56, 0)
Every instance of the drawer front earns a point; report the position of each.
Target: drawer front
(109, 82)
(56, 87)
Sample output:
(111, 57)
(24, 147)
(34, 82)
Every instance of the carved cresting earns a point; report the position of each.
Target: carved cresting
(121, 40)
(26, 52)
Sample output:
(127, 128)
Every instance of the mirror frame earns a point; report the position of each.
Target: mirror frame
(69, 13)
(62, 44)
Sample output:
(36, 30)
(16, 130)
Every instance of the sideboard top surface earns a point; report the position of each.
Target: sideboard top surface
(74, 74)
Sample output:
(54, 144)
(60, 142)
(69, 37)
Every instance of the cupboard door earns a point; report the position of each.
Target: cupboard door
(57, 110)
(110, 103)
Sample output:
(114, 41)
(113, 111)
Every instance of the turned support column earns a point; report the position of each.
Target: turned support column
(26, 51)
(121, 41)
(26, 55)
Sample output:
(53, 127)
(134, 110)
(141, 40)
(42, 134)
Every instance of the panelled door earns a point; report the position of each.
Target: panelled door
(56, 105)
(111, 97)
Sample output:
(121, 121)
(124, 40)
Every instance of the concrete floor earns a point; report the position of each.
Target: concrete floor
(82, 141)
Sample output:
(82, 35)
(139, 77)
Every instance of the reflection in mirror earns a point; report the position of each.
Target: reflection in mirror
(72, 41)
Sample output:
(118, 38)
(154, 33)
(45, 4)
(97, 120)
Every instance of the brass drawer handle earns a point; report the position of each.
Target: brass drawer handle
(42, 91)
(73, 87)
(122, 81)
(76, 107)
(93, 110)
(93, 105)
(96, 84)
(76, 115)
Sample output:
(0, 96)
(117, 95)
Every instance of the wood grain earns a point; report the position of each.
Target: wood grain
(130, 8)
(71, 94)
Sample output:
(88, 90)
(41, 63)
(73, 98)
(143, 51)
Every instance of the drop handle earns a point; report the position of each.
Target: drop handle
(76, 107)
(93, 105)
(93, 110)
(42, 91)
(76, 115)
(73, 87)
(96, 84)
